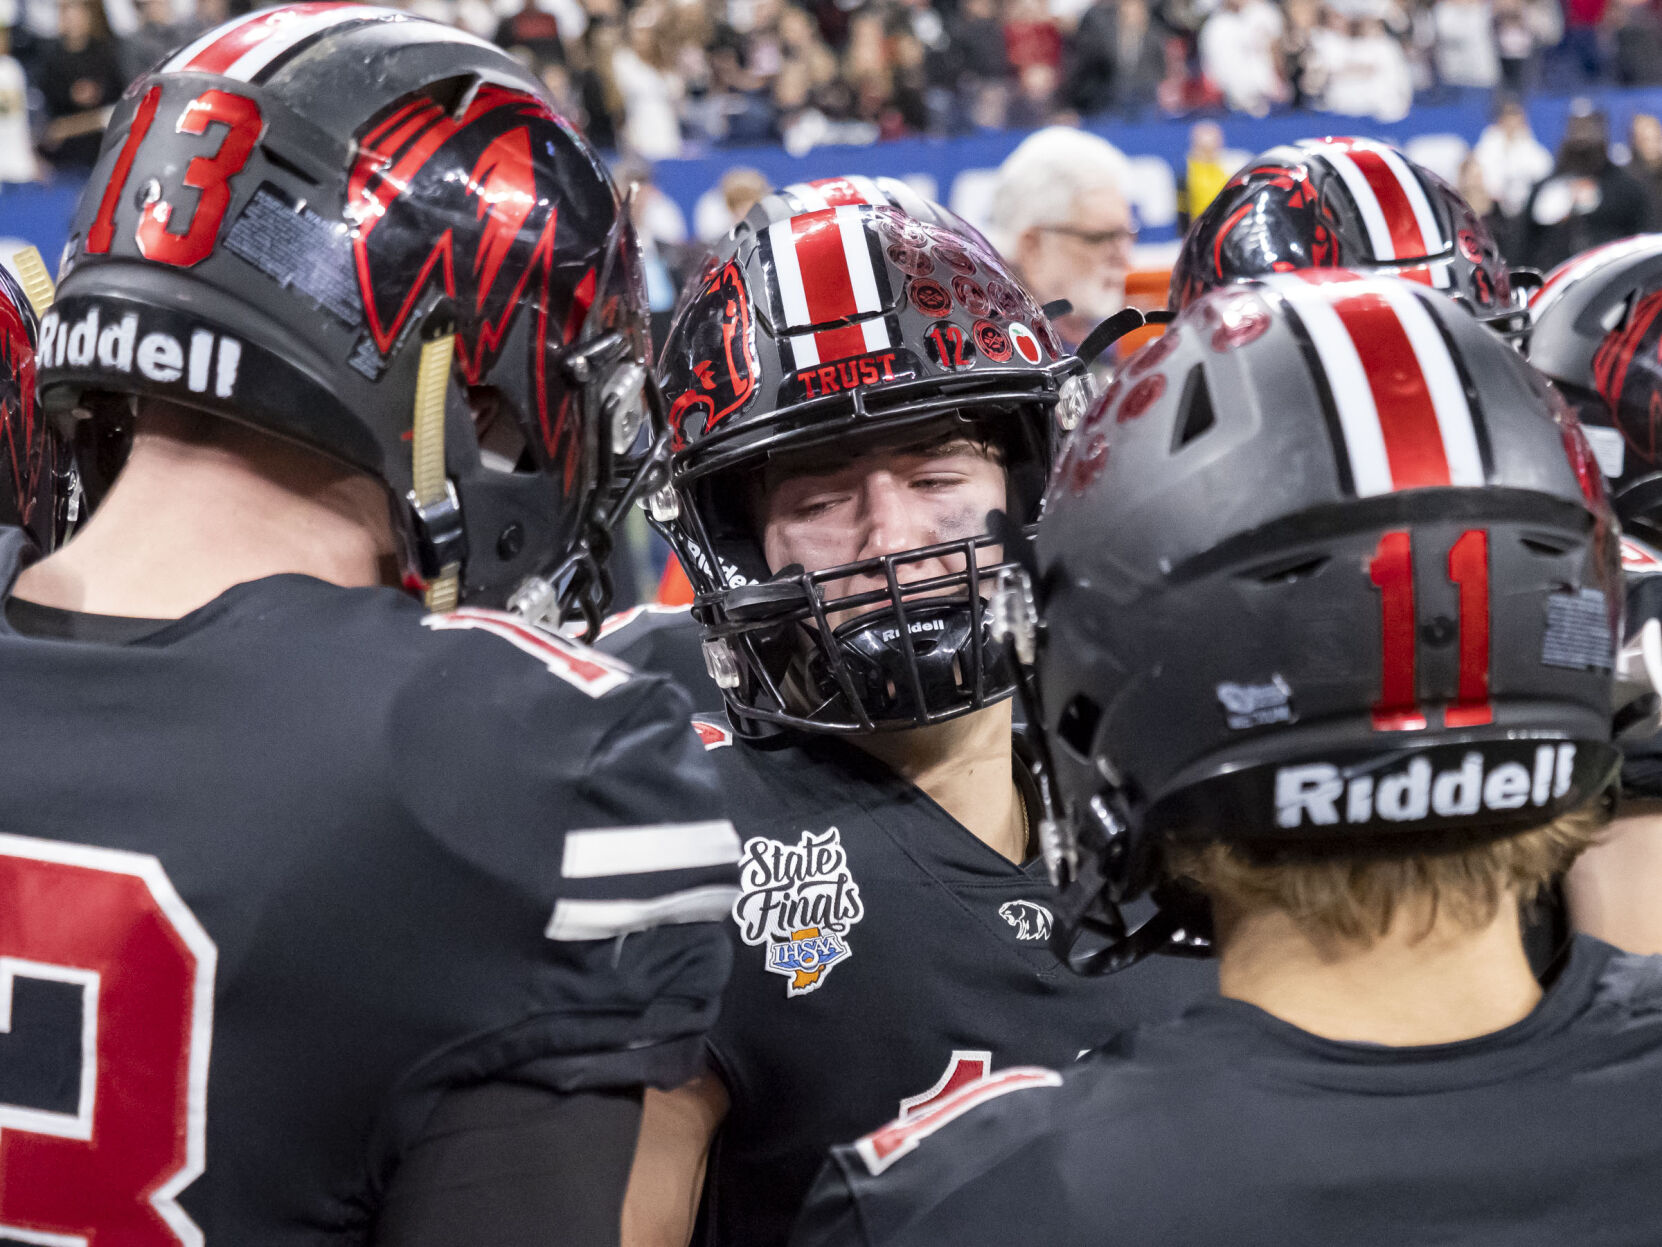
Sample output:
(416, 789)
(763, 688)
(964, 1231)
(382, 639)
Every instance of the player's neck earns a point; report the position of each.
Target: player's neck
(965, 766)
(189, 517)
(1411, 986)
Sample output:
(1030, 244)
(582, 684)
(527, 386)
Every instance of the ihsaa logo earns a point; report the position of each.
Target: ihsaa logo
(799, 901)
(1327, 795)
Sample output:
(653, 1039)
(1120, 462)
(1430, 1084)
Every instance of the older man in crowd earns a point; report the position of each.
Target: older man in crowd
(1061, 218)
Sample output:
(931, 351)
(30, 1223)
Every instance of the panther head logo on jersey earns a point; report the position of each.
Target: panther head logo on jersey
(1031, 920)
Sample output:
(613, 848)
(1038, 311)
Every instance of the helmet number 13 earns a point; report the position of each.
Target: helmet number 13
(1392, 572)
(192, 237)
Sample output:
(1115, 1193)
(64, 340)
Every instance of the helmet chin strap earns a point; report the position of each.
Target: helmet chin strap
(428, 485)
(36, 281)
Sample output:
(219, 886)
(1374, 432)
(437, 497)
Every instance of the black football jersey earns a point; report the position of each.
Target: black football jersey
(278, 874)
(1231, 1128)
(883, 956)
(666, 640)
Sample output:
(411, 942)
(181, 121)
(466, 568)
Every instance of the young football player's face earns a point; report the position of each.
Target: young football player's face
(884, 500)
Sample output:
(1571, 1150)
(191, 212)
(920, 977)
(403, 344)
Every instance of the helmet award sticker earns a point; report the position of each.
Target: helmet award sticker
(948, 346)
(1027, 346)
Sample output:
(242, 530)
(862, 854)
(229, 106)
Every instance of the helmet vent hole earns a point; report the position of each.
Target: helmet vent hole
(1546, 544)
(289, 167)
(454, 94)
(1287, 571)
(1078, 724)
(1195, 414)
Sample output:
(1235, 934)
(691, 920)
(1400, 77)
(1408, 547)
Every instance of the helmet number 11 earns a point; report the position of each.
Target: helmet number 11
(1392, 572)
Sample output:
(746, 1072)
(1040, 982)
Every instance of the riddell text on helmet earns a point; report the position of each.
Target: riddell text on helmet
(1321, 791)
(207, 363)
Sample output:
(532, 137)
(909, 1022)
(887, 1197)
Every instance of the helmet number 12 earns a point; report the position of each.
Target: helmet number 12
(208, 174)
(106, 1004)
(1392, 572)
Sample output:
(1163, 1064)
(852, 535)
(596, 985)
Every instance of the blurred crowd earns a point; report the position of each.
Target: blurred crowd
(662, 78)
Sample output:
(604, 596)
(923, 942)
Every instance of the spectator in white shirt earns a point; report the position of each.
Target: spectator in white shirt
(1368, 75)
(1467, 54)
(1238, 52)
(1511, 158)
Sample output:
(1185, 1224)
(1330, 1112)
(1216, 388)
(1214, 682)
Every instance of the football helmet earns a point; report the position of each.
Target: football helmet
(1329, 562)
(37, 478)
(1596, 332)
(1347, 203)
(823, 328)
(356, 229)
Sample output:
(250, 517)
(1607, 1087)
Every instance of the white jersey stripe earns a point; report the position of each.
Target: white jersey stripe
(792, 293)
(1367, 203)
(602, 851)
(1448, 396)
(1370, 468)
(602, 920)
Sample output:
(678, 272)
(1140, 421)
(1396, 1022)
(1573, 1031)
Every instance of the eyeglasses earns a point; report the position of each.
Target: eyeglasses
(1095, 238)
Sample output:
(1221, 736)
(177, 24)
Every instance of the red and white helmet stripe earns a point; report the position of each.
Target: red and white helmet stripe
(1401, 407)
(243, 49)
(853, 190)
(826, 274)
(1394, 207)
(1574, 269)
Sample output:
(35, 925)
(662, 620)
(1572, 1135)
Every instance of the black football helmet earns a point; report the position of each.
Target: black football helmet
(1348, 203)
(354, 228)
(1329, 562)
(826, 327)
(1596, 333)
(37, 478)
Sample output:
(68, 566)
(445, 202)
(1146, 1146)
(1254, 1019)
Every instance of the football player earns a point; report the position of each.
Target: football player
(1330, 597)
(1355, 204)
(331, 915)
(852, 391)
(1594, 333)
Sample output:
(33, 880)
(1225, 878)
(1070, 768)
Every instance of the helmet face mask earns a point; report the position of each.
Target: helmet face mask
(443, 202)
(763, 365)
(1309, 618)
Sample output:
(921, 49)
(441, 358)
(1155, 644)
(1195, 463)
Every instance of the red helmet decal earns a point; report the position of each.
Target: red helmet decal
(720, 378)
(500, 222)
(929, 297)
(992, 341)
(910, 260)
(1626, 369)
(970, 294)
(954, 258)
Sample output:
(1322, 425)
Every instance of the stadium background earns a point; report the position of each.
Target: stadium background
(705, 102)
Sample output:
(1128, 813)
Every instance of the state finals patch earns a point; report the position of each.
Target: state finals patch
(799, 902)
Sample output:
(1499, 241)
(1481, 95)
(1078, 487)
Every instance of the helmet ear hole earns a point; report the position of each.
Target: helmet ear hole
(1618, 316)
(1194, 411)
(1077, 727)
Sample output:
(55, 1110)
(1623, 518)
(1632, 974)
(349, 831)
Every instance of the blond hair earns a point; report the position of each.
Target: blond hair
(1355, 896)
